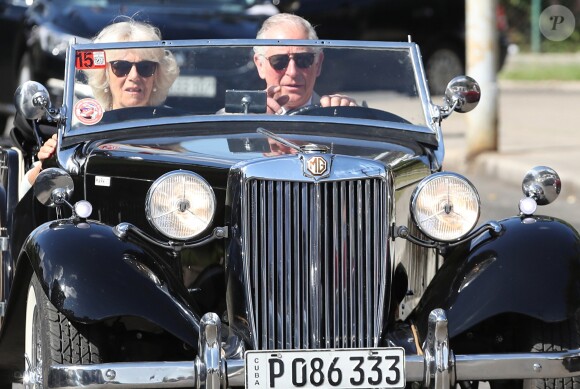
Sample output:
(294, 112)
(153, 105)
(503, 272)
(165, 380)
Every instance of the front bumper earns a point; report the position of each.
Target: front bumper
(438, 368)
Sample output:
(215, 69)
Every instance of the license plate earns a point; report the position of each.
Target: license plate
(194, 86)
(344, 368)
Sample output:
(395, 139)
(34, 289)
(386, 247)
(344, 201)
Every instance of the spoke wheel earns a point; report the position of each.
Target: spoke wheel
(553, 337)
(32, 346)
(50, 338)
(542, 337)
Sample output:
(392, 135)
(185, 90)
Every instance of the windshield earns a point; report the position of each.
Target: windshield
(125, 83)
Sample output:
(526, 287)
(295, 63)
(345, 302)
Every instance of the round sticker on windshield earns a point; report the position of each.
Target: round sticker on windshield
(88, 111)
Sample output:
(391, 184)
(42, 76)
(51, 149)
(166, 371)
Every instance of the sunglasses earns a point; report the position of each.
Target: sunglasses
(281, 61)
(144, 68)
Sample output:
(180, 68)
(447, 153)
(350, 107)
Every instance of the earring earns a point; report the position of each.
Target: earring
(154, 89)
(106, 90)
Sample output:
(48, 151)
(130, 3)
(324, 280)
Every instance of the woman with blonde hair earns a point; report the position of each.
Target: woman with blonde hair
(131, 78)
(134, 77)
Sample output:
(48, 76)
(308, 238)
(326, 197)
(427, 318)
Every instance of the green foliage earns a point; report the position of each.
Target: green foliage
(519, 18)
(541, 72)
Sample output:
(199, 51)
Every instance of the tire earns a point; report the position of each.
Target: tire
(553, 337)
(50, 338)
(440, 67)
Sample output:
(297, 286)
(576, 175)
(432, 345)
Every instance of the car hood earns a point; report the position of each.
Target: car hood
(176, 22)
(157, 155)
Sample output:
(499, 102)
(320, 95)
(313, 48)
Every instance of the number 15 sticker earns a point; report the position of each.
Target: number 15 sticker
(90, 59)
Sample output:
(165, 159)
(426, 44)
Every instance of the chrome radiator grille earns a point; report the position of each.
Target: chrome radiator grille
(316, 262)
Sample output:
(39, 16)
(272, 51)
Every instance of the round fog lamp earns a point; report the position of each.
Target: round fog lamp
(83, 208)
(180, 205)
(528, 206)
(445, 206)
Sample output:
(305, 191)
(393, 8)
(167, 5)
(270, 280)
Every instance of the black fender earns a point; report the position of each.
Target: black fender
(89, 274)
(531, 268)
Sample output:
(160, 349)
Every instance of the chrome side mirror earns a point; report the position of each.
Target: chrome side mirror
(462, 94)
(542, 184)
(53, 187)
(32, 100)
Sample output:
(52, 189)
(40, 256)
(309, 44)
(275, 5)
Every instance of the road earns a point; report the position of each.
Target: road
(538, 125)
(499, 199)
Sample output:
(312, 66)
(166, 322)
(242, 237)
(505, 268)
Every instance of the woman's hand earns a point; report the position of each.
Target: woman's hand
(46, 151)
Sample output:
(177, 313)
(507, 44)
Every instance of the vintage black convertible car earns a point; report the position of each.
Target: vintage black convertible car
(206, 244)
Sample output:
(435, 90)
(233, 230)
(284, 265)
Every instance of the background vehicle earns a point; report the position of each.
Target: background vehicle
(37, 39)
(226, 262)
(438, 27)
(11, 25)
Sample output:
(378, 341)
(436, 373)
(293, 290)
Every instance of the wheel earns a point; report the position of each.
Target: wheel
(440, 67)
(51, 339)
(550, 337)
(542, 337)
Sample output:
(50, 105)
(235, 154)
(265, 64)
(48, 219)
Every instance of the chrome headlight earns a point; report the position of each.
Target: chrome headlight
(180, 204)
(445, 206)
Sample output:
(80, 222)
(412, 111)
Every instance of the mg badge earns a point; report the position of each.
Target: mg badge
(317, 166)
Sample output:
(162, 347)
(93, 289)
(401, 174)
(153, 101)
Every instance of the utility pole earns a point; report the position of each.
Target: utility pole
(535, 23)
(481, 51)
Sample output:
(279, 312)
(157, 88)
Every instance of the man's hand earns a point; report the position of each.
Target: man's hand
(337, 100)
(274, 101)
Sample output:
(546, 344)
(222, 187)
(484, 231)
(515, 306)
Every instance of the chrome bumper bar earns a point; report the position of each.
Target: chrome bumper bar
(437, 369)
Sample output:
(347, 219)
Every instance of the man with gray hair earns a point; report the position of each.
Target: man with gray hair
(290, 72)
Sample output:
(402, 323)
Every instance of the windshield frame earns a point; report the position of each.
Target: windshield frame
(431, 128)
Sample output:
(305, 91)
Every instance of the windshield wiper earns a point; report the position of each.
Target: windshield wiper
(307, 148)
(279, 139)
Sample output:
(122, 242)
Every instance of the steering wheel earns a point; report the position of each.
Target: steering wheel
(133, 113)
(356, 112)
(303, 110)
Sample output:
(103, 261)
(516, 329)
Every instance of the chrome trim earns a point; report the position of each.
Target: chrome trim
(481, 367)
(240, 43)
(493, 227)
(124, 375)
(439, 364)
(149, 125)
(4, 239)
(315, 258)
(412, 48)
(438, 369)
(211, 371)
(542, 184)
(423, 184)
(428, 107)
(183, 176)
